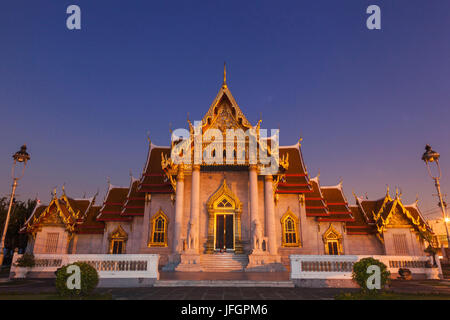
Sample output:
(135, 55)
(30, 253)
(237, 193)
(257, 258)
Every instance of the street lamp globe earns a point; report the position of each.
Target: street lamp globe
(21, 155)
(430, 155)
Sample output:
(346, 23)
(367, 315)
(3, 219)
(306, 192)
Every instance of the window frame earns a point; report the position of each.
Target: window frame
(159, 215)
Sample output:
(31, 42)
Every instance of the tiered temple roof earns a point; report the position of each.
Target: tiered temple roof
(76, 215)
(134, 204)
(374, 216)
(113, 203)
(337, 204)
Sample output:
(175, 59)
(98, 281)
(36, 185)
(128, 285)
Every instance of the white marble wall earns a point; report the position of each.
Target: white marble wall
(415, 248)
(41, 240)
(88, 243)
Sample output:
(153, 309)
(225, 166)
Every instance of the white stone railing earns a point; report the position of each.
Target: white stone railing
(107, 265)
(340, 267)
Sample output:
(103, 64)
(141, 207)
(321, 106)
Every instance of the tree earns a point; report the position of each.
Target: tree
(20, 212)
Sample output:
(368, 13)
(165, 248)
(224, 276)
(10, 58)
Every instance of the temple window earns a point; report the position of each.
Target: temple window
(118, 246)
(51, 243)
(117, 241)
(333, 247)
(333, 241)
(400, 245)
(159, 230)
(289, 223)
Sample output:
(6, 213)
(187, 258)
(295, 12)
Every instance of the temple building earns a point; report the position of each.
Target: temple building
(227, 216)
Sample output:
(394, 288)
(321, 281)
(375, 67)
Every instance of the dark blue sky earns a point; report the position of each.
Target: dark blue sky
(365, 102)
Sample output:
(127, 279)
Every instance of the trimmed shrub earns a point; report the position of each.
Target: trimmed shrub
(89, 280)
(361, 276)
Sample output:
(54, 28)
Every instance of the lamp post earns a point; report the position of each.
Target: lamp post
(430, 156)
(21, 157)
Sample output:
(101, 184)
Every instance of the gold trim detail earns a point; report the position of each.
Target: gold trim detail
(333, 236)
(118, 234)
(159, 216)
(290, 225)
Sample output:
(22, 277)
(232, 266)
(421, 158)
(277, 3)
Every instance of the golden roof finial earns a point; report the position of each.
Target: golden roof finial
(224, 75)
(148, 137)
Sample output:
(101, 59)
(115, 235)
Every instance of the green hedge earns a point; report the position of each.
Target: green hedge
(89, 280)
(361, 276)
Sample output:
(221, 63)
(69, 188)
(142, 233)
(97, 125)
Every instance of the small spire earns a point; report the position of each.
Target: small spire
(387, 190)
(95, 196)
(148, 138)
(224, 75)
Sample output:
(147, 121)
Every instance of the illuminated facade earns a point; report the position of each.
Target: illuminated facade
(191, 214)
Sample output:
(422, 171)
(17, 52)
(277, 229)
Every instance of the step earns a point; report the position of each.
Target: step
(220, 262)
(224, 283)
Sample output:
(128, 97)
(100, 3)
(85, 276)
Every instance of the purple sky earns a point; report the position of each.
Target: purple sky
(365, 102)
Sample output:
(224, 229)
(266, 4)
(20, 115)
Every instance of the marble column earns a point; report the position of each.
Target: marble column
(195, 209)
(179, 205)
(253, 177)
(269, 205)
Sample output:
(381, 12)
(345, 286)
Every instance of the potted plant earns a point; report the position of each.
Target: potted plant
(24, 264)
(405, 274)
(432, 252)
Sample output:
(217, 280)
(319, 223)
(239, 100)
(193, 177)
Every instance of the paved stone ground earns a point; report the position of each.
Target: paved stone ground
(207, 293)
(421, 286)
(210, 293)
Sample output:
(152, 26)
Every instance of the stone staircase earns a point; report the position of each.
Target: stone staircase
(224, 283)
(223, 262)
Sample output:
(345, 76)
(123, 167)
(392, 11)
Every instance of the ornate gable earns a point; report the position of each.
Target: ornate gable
(331, 234)
(397, 219)
(52, 218)
(224, 198)
(118, 233)
(224, 113)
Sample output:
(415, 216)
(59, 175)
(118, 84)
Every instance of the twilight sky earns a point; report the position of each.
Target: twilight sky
(365, 102)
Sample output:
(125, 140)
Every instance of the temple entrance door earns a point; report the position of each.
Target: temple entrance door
(224, 231)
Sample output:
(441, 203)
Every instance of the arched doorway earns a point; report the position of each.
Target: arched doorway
(224, 225)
